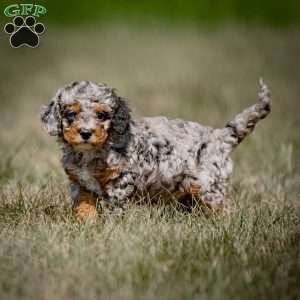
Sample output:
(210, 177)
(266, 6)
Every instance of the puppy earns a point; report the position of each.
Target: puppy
(109, 156)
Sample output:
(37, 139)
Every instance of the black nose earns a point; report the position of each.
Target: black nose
(85, 134)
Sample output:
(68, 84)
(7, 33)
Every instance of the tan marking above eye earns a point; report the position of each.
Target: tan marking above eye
(74, 107)
(102, 108)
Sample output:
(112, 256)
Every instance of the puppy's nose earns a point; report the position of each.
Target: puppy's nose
(85, 134)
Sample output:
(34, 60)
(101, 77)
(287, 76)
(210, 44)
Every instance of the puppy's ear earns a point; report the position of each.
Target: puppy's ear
(50, 117)
(121, 116)
(119, 130)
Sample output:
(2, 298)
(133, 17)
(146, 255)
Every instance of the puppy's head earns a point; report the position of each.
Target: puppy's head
(86, 115)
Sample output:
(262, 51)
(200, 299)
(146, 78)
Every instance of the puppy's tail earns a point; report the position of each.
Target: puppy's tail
(244, 123)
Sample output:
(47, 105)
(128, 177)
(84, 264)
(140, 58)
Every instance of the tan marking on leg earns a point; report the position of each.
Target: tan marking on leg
(178, 194)
(194, 190)
(85, 208)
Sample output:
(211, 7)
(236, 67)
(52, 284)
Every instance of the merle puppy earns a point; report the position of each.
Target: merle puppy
(109, 156)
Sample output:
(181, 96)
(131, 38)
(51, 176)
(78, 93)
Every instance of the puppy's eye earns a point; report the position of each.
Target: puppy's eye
(70, 115)
(103, 115)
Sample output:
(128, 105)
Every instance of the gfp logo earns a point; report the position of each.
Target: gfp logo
(24, 30)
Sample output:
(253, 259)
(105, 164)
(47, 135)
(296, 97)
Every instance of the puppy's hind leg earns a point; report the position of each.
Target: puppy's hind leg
(214, 170)
(215, 163)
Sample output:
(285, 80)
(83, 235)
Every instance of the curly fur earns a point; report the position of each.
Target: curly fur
(152, 155)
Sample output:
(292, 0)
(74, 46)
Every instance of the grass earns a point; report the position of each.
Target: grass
(252, 251)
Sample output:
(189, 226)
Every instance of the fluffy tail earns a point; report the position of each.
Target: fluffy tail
(244, 123)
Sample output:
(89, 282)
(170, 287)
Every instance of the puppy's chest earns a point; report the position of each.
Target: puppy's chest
(99, 169)
(104, 173)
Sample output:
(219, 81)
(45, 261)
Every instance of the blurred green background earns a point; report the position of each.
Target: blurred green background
(272, 12)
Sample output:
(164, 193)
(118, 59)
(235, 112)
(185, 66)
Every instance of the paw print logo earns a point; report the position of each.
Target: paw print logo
(24, 32)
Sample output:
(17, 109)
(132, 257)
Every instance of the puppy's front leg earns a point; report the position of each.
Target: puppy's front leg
(83, 202)
(85, 191)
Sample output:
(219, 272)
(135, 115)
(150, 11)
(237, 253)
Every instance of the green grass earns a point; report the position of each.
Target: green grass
(173, 11)
(250, 251)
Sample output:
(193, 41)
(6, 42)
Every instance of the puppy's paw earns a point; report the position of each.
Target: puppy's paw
(85, 211)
